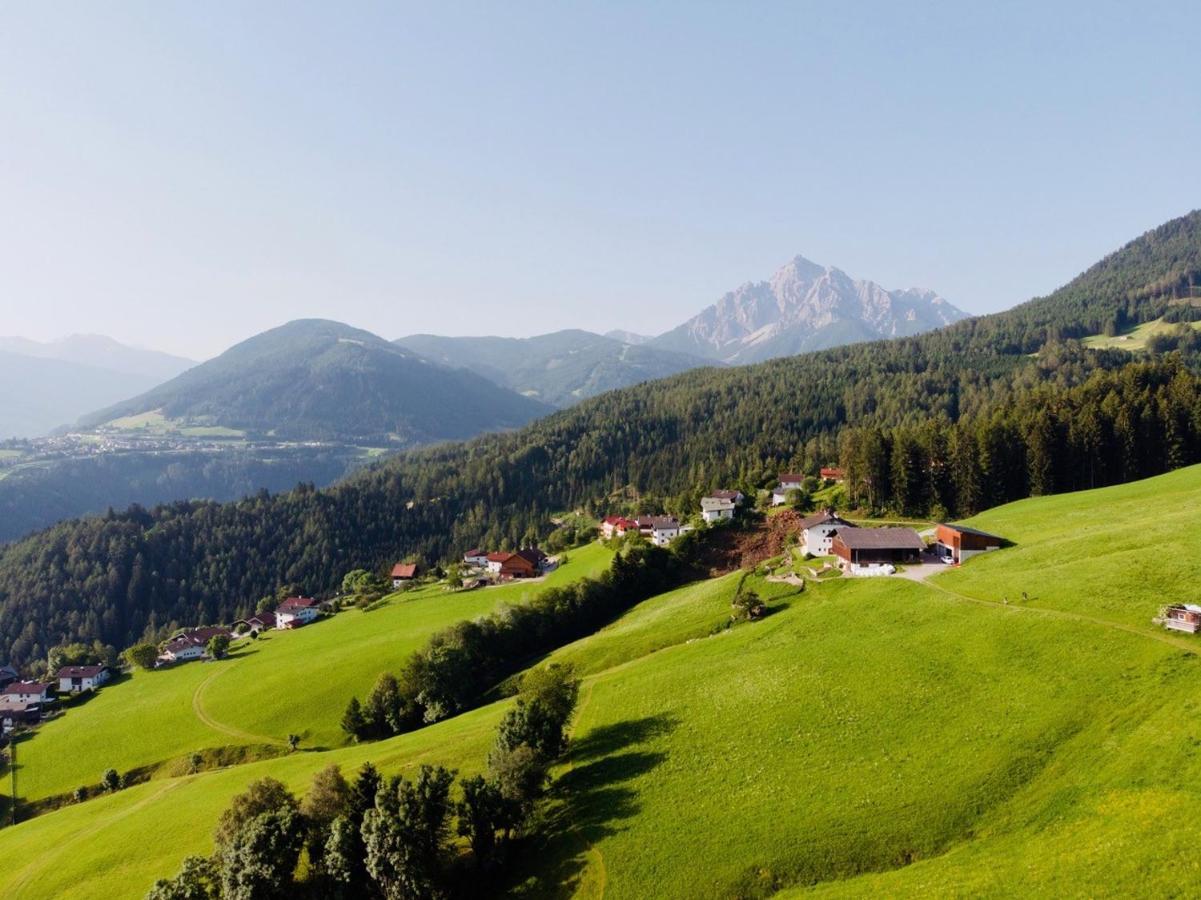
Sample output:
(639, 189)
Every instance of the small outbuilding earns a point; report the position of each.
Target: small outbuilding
(958, 543)
(1184, 617)
(402, 572)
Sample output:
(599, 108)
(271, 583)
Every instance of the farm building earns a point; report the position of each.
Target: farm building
(659, 530)
(863, 549)
(789, 481)
(72, 679)
(714, 509)
(295, 612)
(817, 531)
(1182, 617)
(833, 473)
(259, 621)
(402, 572)
(476, 557)
(616, 526)
(958, 543)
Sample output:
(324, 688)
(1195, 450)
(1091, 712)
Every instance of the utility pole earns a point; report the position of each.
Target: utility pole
(12, 765)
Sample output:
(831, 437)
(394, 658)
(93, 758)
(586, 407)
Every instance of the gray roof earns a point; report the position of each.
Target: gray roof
(824, 516)
(880, 539)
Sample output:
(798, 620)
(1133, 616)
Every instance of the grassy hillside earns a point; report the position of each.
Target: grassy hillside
(286, 682)
(877, 736)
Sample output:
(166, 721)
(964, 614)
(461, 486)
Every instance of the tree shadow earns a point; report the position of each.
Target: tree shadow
(586, 804)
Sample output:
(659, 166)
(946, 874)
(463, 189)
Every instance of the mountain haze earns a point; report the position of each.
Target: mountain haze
(102, 352)
(317, 379)
(803, 307)
(560, 368)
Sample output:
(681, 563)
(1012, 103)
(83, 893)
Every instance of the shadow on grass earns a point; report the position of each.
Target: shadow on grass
(586, 804)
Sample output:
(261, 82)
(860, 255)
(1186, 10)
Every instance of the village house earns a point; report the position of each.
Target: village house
(402, 572)
(260, 621)
(659, 530)
(526, 563)
(29, 691)
(616, 526)
(477, 558)
(295, 612)
(192, 644)
(867, 551)
(1181, 617)
(789, 481)
(817, 531)
(714, 509)
(958, 543)
(7, 676)
(73, 679)
(833, 473)
(14, 712)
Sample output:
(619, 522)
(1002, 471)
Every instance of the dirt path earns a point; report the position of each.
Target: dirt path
(1177, 642)
(203, 715)
(88, 831)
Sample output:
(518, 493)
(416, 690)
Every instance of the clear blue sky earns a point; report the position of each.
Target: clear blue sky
(184, 175)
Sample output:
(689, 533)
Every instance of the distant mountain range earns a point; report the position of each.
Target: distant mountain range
(101, 352)
(52, 384)
(803, 307)
(322, 380)
(560, 368)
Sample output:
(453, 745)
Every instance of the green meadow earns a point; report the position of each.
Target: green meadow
(867, 737)
(293, 682)
(1135, 339)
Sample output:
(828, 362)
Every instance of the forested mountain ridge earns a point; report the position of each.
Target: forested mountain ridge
(560, 368)
(668, 440)
(315, 379)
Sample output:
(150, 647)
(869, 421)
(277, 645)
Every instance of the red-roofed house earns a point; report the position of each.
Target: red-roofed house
(616, 526)
(402, 572)
(72, 679)
(511, 565)
(295, 612)
(833, 473)
(29, 692)
(476, 557)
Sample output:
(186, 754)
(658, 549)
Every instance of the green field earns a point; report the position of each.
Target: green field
(154, 422)
(157, 718)
(1135, 339)
(868, 737)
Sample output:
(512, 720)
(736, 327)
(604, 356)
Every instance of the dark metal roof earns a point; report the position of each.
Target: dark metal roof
(963, 529)
(880, 539)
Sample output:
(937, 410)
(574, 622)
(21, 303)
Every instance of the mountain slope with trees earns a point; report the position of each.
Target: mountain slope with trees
(992, 378)
(560, 368)
(318, 380)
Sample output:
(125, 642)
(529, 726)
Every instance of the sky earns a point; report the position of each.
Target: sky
(184, 175)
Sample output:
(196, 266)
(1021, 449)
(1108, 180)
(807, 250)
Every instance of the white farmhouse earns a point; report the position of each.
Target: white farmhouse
(295, 612)
(817, 532)
(714, 509)
(73, 679)
(659, 530)
(789, 481)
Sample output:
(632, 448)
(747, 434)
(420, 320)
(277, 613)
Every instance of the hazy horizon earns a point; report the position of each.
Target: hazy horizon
(180, 178)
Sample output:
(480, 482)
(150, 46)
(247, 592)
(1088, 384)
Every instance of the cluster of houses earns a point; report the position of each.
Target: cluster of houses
(505, 565)
(876, 551)
(659, 530)
(26, 702)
